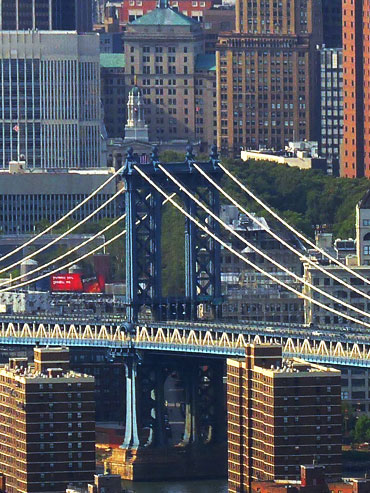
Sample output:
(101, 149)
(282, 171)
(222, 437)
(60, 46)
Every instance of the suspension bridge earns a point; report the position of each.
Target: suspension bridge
(147, 187)
(158, 347)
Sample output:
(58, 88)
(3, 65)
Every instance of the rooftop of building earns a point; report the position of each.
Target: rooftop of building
(330, 267)
(51, 349)
(164, 16)
(313, 479)
(21, 370)
(26, 374)
(288, 366)
(20, 168)
(112, 60)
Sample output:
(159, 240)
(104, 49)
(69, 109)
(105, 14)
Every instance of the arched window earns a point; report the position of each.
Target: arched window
(367, 237)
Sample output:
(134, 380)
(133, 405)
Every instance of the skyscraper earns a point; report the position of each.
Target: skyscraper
(355, 160)
(266, 73)
(70, 15)
(281, 414)
(50, 103)
(46, 15)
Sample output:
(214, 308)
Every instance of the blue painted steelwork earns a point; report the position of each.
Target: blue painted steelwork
(143, 238)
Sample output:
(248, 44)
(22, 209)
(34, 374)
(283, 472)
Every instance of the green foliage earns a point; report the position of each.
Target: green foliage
(362, 429)
(348, 420)
(173, 251)
(171, 157)
(305, 197)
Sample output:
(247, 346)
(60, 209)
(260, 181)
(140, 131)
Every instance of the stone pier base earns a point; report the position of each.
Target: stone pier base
(151, 464)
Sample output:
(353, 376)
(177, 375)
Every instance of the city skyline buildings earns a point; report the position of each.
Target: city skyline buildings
(50, 103)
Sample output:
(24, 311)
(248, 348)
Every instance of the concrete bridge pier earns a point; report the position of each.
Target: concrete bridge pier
(175, 420)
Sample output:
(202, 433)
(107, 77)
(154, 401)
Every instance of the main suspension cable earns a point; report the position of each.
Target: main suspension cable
(277, 237)
(63, 218)
(291, 228)
(69, 264)
(257, 250)
(59, 237)
(244, 259)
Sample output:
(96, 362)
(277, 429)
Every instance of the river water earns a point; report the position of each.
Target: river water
(205, 486)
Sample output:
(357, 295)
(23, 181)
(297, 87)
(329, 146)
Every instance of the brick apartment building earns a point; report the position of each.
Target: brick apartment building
(281, 414)
(266, 75)
(47, 423)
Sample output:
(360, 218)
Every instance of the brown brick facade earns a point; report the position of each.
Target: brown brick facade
(47, 424)
(266, 75)
(281, 414)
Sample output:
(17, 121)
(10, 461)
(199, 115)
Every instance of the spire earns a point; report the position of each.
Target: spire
(162, 4)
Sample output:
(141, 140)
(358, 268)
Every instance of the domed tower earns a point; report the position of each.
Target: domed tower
(135, 128)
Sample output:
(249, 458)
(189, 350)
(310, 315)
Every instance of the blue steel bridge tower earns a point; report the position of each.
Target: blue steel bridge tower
(143, 206)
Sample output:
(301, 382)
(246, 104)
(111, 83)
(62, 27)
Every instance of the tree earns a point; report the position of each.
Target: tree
(362, 429)
(348, 419)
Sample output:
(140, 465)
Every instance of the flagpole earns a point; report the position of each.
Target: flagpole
(19, 141)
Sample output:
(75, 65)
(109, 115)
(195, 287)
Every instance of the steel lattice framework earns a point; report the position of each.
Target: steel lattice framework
(218, 340)
(143, 239)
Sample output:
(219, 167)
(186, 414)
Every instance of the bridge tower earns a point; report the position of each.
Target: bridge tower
(143, 206)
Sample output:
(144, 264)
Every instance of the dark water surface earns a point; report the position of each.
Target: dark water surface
(206, 486)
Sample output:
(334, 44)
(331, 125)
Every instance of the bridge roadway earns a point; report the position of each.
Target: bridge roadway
(324, 344)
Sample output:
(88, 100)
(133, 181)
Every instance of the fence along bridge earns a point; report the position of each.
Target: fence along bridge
(194, 338)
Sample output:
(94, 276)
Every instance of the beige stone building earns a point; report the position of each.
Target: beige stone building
(165, 58)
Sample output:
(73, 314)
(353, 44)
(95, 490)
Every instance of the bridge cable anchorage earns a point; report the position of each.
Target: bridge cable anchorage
(244, 259)
(60, 220)
(281, 240)
(257, 250)
(291, 228)
(69, 264)
(58, 238)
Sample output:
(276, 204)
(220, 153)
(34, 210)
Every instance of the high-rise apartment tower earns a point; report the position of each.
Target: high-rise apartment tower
(266, 69)
(47, 424)
(281, 414)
